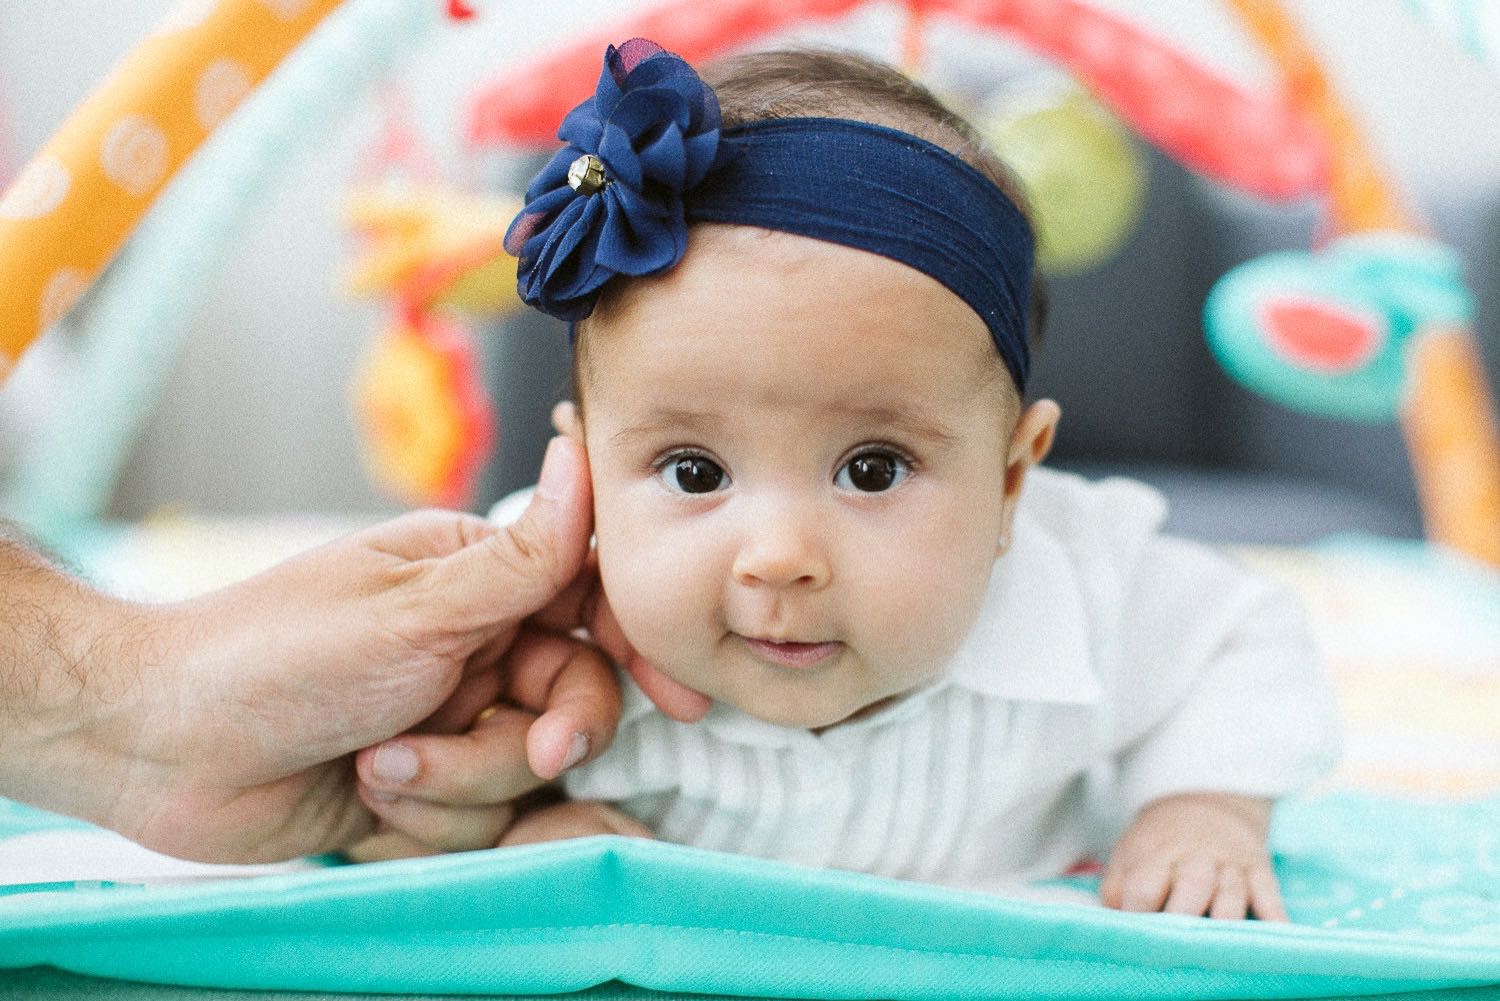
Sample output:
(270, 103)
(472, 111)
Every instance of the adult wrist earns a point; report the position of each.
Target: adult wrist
(72, 666)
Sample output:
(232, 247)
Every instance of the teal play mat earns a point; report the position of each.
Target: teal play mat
(1389, 896)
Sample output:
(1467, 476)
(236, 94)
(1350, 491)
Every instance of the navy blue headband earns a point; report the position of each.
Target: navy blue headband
(885, 191)
(646, 156)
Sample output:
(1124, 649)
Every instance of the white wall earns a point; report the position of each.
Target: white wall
(255, 415)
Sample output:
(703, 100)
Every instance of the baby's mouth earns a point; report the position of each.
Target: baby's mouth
(792, 654)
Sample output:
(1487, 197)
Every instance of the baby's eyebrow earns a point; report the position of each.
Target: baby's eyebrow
(667, 420)
(895, 421)
(917, 425)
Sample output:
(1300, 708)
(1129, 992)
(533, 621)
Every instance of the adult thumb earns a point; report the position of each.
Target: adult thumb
(514, 570)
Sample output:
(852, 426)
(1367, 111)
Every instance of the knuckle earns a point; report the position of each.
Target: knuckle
(412, 620)
(524, 552)
(472, 529)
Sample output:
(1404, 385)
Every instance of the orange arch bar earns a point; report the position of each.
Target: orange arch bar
(71, 210)
(1361, 197)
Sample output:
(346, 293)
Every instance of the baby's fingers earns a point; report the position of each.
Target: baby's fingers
(671, 696)
(1232, 898)
(1195, 884)
(440, 827)
(1265, 894)
(572, 819)
(1141, 888)
(387, 844)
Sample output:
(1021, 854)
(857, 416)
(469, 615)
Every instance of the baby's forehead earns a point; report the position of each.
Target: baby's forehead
(857, 320)
(745, 290)
(728, 265)
(713, 245)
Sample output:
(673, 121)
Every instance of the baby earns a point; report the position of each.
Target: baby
(799, 372)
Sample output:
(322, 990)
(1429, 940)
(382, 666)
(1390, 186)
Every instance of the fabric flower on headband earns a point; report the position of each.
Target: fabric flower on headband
(610, 202)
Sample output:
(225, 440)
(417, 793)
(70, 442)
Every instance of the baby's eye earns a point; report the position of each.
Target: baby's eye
(693, 474)
(872, 471)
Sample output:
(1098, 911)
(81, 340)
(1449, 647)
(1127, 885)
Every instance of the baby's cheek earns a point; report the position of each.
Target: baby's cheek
(922, 634)
(923, 613)
(652, 593)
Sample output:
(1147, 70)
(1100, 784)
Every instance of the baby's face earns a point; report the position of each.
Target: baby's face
(799, 456)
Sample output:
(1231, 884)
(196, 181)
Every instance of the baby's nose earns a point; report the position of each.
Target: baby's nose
(782, 552)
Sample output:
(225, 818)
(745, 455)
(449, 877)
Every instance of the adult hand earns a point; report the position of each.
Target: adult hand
(437, 791)
(225, 728)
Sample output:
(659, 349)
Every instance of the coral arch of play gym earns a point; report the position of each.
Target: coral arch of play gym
(1374, 324)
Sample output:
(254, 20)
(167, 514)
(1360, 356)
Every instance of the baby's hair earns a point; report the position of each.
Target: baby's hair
(837, 83)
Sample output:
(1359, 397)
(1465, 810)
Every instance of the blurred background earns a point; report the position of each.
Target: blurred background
(256, 419)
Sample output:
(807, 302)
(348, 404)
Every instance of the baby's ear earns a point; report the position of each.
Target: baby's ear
(1032, 439)
(565, 421)
(1029, 445)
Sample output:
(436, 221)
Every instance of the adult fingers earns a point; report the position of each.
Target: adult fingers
(1194, 881)
(584, 604)
(442, 827)
(476, 768)
(565, 420)
(1265, 894)
(477, 691)
(420, 535)
(574, 691)
(511, 571)
(1232, 898)
(561, 704)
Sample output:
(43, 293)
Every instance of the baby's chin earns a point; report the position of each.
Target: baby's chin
(802, 714)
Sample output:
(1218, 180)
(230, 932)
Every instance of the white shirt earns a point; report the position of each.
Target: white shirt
(1109, 666)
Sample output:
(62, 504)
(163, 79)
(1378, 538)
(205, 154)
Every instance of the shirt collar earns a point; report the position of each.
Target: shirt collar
(1030, 642)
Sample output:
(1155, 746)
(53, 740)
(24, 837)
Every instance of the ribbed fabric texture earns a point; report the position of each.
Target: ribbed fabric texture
(870, 801)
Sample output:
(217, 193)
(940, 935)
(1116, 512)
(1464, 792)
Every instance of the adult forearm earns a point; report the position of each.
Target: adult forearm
(69, 679)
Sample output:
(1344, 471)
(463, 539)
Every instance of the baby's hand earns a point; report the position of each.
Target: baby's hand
(572, 819)
(1196, 854)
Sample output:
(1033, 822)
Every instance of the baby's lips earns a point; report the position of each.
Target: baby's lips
(791, 653)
